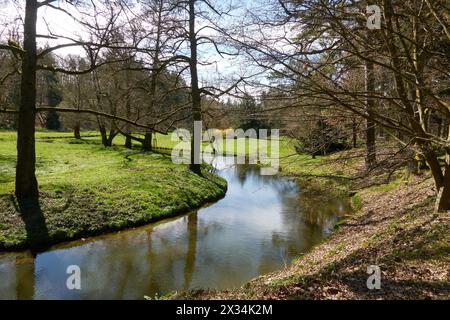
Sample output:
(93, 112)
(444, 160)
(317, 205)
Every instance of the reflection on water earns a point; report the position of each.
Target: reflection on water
(261, 224)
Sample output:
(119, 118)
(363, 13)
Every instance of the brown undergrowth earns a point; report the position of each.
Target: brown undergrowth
(394, 229)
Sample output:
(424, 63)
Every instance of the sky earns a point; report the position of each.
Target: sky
(222, 70)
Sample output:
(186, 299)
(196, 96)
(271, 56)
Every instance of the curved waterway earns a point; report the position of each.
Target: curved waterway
(260, 226)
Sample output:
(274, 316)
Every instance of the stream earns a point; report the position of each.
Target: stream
(261, 224)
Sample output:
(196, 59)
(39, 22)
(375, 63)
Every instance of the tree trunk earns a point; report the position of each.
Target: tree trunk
(103, 133)
(112, 134)
(108, 142)
(147, 143)
(370, 125)
(354, 132)
(195, 93)
(446, 126)
(439, 127)
(435, 167)
(26, 183)
(128, 142)
(76, 131)
(443, 198)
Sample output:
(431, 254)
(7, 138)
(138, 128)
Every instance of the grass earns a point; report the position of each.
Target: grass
(240, 146)
(87, 189)
(386, 187)
(357, 202)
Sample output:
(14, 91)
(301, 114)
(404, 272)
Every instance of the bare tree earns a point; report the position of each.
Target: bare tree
(102, 21)
(317, 46)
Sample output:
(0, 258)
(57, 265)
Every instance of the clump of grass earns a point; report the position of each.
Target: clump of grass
(357, 202)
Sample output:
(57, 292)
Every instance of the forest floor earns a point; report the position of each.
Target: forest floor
(393, 227)
(86, 190)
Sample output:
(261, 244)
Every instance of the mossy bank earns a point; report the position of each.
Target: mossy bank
(86, 190)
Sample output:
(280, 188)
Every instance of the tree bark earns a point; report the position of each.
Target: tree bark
(443, 197)
(77, 131)
(103, 133)
(147, 143)
(435, 167)
(128, 143)
(195, 92)
(108, 142)
(354, 133)
(26, 183)
(112, 134)
(370, 125)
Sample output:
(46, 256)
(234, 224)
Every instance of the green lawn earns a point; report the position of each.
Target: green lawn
(87, 189)
(291, 162)
(241, 146)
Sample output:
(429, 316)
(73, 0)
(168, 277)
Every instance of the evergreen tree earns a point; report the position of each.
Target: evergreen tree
(251, 112)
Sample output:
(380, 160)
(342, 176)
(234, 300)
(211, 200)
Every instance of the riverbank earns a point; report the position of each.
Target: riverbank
(88, 190)
(393, 227)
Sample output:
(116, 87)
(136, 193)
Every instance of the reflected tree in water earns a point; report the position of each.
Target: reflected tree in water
(189, 268)
(25, 277)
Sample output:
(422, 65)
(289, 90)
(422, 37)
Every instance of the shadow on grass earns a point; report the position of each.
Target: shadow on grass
(34, 220)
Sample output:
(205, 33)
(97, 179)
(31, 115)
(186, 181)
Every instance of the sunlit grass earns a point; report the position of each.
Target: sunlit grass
(87, 188)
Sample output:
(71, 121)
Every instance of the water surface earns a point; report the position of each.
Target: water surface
(260, 226)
